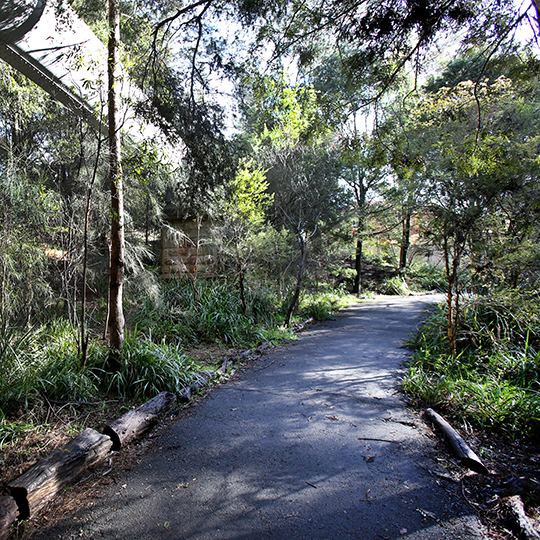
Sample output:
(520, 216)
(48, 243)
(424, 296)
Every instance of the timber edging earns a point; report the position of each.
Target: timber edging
(29, 493)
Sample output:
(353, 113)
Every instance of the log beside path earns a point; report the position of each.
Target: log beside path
(137, 421)
(462, 450)
(43, 481)
(25, 496)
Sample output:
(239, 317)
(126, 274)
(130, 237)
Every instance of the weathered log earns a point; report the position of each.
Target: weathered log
(467, 457)
(8, 515)
(135, 422)
(43, 481)
(516, 510)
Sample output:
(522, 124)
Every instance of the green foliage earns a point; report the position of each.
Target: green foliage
(395, 285)
(249, 199)
(45, 364)
(11, 431)
(494, 380)
(19, 365)
(322, 306)
(148, 368)
(207, 311)
(426, 278)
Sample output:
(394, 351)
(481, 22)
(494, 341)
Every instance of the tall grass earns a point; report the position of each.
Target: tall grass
(44, 364)
(207, 311)
(494, 380)
(18, 365)
(148, 368)
(322, 305)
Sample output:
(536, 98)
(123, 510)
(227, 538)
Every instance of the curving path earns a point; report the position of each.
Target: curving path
(314, 441)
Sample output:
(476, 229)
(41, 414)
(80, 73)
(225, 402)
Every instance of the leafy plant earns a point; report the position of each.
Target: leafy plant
(395, 285)
(321, 306)
(494, 380)
(148, 368)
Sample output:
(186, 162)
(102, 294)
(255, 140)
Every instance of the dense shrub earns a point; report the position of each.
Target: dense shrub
(494, 379)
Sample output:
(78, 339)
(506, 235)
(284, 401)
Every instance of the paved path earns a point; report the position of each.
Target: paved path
(312, 442)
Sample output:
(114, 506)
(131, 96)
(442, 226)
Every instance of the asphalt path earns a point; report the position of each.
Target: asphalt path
(313, 441)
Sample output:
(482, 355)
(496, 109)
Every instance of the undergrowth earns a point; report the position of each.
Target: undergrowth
(494, 378)
(42, 367)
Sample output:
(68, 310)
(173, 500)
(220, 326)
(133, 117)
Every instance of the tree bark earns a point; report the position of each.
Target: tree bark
(137, 421)
(405, 240)
(43, 481)
(116, 270)
(458, 445)
(8, 516)
(514, 506)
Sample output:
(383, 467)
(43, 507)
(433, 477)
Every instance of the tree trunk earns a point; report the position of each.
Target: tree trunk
(296, 295)
(459, 446)
(137, 421)
(357, 286)
(360, 195)
(449, 297)
(116, 270)
(405, 240)
(8, 516)
(452, 261)
(49, 477)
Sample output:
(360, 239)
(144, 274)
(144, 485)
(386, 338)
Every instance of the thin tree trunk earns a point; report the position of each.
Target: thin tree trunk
(116, 270)
(240, 269)
(449, 296)
(452, 297)
(360, 194)
(299, 278)
(84, 336)
(357, 286)
(405, 240)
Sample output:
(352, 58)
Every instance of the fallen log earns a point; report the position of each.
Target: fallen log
(43, 481)
(135, 422)
(516, 510)
(8, 515)
(467, 457)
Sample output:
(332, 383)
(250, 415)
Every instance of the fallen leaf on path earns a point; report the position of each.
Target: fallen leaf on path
(426, 514)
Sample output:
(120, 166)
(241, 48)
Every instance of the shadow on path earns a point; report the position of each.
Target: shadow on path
(313, 442)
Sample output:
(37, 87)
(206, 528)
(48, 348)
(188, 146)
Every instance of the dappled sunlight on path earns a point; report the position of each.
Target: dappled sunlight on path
(313, 442)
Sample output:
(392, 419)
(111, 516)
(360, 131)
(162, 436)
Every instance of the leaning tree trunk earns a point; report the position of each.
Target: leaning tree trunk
(116, 270)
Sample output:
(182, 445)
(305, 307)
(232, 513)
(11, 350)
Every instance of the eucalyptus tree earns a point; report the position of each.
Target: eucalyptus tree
(302, 161)
(478, 144)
